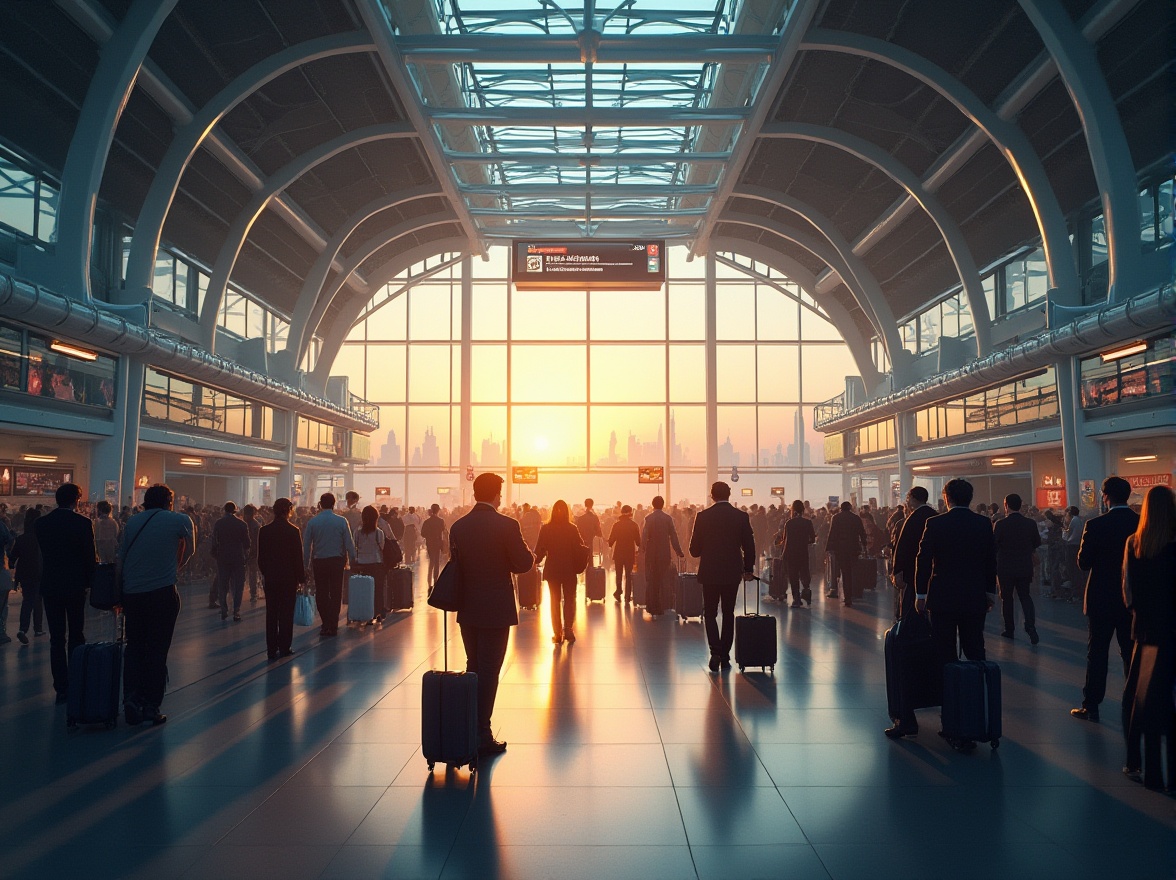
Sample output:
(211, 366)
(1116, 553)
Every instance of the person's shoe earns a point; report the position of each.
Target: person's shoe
(152, 714)
(569, 636)
(617, 596)
(898, 731)
(725, 663)
(38, 632)
(807, 596)
(1033, 637)
(237, 616)
(831, 595)
(1084, 714)
(22, 637)
(62, 697)
(287, 653)
(1006, 634)
(213, 605)
(796, 603)
(1135, 774)
(557, 639)
(132, 713)
(271, 656)
(714, 663)
(493, 747)
(847, 604)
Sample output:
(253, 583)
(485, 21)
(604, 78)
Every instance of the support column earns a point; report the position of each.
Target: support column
(285, 486)
(106, 458)
(1083, 457)
(465, 436)
(712, 381)
(133, 419)
(903, 432)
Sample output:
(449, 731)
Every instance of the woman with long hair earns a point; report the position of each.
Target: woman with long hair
(1149, 591)
(369, 549)
(566, 556)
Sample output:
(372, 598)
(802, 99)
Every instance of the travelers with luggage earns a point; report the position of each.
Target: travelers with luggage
(369, 552)
(589, 524)
(846, 542)
(155, 545)
(564, 555)
(68, 557)
(625, 540)
(658, 536)
(1150, 573)
(327, 548)
(724, 544)
(906, 549)
(433, 534)
(488, 548)
(795, 538)
(1017, 539)
(1100, 552)
(279, 559)
(231, 548)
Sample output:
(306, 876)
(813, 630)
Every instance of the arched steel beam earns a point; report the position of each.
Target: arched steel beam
(859, 346)
(333, 341)
(875, 305)
(1109, 153)
(239, 231)
(953, 238)
(1005, 136)
(187, 140)
(119, 62)
(327, 295)
(307, 305)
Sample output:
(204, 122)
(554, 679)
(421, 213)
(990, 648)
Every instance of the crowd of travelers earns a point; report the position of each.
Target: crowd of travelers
(1121, 564)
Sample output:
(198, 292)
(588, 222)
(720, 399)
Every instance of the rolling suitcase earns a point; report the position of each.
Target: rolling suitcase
(669, 590)
(594, 580)
(687, 595)
(449, 714)
(971, 703)
(912, 681)
(778, 583)
(399, 588)
(528, 586)
(865, 575)
(361, 603)
(95, 682)
(755, 636)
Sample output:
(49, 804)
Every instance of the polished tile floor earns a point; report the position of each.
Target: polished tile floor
(627, 758)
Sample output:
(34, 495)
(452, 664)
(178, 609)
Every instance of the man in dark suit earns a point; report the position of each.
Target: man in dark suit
(279, 559)
(906, 550)
(1101, 554)
(796, 537)
(724, 543)
(846, 541)
(231, 547)
(69, 556)
(488, 548)
(955, 575)
(1016, 538)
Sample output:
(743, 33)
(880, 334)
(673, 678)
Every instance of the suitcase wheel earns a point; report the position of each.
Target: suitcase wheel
(741, 667)
(995, 744)
(431, 766)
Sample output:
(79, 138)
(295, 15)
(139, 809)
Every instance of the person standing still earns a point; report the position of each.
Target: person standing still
(105, 532)
(846, 541)
(68, 559)
(231, 548)
(724, 544)
(327, 549)
(659, 536)
(160, 541)
(906, 550)
(488, 548)
(1100, 552)
(625, 539)
(1016, 538)
(796, 537)
(252, 573)
(279, 558)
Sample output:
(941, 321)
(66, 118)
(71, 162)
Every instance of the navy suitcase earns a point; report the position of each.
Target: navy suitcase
(971, 703)
(911, 679)
(529, 588)
(449, 715)
(755, 637)
(399, 588)
(95, 683)
(687, 595)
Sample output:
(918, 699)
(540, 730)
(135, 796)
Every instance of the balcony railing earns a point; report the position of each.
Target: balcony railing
(361, 407)
(829, 410)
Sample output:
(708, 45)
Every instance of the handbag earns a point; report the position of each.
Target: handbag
(106, 581)
(446, 592)
(303, 610)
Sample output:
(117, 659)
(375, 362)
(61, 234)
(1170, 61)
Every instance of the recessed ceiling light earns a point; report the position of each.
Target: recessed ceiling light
(1136, 458)
(39, 458)
(1002, 462)
(191, 461)
(921, 467)
(271, 468)
(1126, 351)
(73, 351)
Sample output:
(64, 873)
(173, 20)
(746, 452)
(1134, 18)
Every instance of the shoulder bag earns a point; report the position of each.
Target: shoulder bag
(446, 592)
(106, 583)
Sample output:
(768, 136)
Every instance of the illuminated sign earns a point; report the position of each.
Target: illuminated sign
(383, 493)
(524, 475)
(747, 491)
(651, 474)
(588, 265)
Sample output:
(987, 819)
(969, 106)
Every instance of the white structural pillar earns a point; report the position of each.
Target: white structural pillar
(903, 434)
(712, 382)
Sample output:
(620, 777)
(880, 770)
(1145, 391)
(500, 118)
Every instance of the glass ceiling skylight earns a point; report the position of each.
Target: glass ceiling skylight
(588, 120)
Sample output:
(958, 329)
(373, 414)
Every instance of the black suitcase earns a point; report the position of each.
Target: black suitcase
(865, 575)
(95, 682)
(399, 595)
(971, 703)
(687, 595)
(755, 636)
(449, 714)
(529, 585)
(912, 676)
(595, 585)
(778, 583)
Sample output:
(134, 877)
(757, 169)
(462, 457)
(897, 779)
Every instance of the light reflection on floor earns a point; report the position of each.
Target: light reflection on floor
(626, 759)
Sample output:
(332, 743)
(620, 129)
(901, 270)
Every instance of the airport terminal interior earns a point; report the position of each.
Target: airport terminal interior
(818, 250)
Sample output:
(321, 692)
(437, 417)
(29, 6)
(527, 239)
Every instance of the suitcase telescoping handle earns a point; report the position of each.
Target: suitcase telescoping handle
(757, 594)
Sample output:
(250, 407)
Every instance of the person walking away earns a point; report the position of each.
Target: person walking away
(68, 559)
(433, 534)
(589, 525)
(1016, 539)
(625, 539)
(106, 532)
(487, 548)
(531, 522)
(25, 557)
(659, 535)
(564, 555)
(231, 548)
(723, 542)
(412, 531)
(252, 573)
(353, 513)
(369, 547)
(327, 548)
(155, 545)
(795, 538)
(955, 575)
(279, 559)
(1072, 526)
(846, 541)
(1100, 552)
(1149, 565)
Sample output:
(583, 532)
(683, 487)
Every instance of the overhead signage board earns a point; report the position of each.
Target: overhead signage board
(651, 474)
(588, 265)
(525, 475)
(778, 491)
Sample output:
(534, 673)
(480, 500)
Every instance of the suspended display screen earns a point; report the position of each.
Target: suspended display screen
(589, 265)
